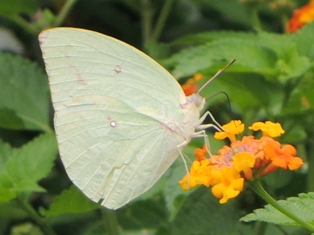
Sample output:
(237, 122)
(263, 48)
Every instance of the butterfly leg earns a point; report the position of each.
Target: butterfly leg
(198, 134)
(183, 157)
(202, 134)
(200, 126)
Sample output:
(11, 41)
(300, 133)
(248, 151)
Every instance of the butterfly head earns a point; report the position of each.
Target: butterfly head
(198, 100)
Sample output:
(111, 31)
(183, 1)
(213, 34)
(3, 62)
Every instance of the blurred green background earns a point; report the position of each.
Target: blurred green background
(272, 79)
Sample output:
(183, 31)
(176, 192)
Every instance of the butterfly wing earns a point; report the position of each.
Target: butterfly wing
(111, 104)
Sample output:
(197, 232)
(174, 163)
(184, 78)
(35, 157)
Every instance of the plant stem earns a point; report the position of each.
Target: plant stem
(47, 230)
(258, 188)
(310, 175)
(64, 12)
(147, 15)
(256, 21)
(28, 27)
(284, 21)
(111, 221)
(162, 20)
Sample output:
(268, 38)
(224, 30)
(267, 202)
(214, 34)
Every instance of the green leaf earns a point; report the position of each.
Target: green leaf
(227, 7)
(71, 200)
(14, 7)
(302, 206)
(26, 228)
(6, 193)
(173, 193)
(24, 103)
(250, 56)
(25, 166)
(301, 99)
(13, 210)
(100, 227)
(143, 214)
(9, 119)
(201, 213)
(292, 65)
(241, 88)
(206, 37)
(5, 152)
(272, 55)
(303, 39)
(278, 179)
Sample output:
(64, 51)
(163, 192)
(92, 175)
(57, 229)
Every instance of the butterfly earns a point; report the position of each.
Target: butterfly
(120, 118)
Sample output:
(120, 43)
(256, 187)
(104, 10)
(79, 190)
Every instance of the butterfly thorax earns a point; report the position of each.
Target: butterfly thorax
(191, 110)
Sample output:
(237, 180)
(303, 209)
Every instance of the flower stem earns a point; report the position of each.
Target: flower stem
(64, 12)
(310, 160)
(111, 221)
(40, 221)
(253, 7)
(258, 188)
(147, 15)
(28, 27)
(162, 20)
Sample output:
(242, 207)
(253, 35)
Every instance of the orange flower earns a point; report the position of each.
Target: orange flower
(200, 153)
(301, 17)
(244, 160)
(189, 87)
(286, 158)
(271, 147)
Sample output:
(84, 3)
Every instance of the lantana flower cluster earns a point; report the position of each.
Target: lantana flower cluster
(244, 160)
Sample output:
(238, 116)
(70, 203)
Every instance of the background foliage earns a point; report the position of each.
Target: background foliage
(272, 79)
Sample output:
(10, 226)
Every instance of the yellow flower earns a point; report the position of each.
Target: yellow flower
(231, 129)
(244, 162)
(228, 184)
(301, 17)
(268, 128)
(199, 174)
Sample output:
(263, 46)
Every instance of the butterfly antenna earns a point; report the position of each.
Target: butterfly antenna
(218, 93)
(218, 126)
(216, 75)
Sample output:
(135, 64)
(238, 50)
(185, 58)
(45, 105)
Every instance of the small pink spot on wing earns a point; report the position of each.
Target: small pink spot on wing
(113, 123)
(118, 69)
(42, 38)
